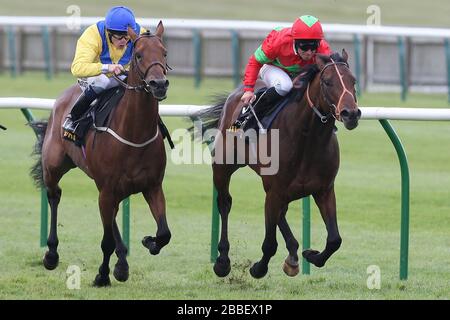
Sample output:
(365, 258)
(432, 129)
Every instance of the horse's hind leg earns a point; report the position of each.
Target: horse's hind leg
(157, 203)
(222, 175)
(54, 167)
(273, 209)
(290, 266)
(326, 201)
(51, 257)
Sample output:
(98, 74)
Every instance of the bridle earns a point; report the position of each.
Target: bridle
(336, 110)
(145, 86)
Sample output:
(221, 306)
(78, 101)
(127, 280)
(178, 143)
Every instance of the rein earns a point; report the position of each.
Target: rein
(337, 109)
(142, 75)
(143, 87)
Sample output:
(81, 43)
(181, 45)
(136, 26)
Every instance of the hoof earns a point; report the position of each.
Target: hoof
(258, 271)
(121, 272)
(101, 281)
(290, 270)
(222, 269)
(313, 256)
(150, 243)
(50, 260)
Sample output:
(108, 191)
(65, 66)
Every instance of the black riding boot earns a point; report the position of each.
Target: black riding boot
(263, 103)
(79, 108)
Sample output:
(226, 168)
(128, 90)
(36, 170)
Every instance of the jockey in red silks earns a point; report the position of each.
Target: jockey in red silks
(281, 57)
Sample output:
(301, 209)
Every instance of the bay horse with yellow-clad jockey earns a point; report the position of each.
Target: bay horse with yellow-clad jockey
(128, 158)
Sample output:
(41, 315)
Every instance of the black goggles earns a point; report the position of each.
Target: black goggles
(306, 45)
(118, 35)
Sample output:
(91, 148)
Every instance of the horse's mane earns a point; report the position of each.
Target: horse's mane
(301, 81)
(308, 74)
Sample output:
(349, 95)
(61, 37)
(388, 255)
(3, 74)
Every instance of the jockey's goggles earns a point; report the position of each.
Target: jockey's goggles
(120, 37)
(306, 45)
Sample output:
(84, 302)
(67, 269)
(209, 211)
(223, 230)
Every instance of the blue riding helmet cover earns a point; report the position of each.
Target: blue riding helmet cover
(119, 18)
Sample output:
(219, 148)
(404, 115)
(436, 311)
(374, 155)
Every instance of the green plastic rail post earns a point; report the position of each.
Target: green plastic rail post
(47, 52)
(306, 225)
(197, 43)
(236, 50)
(12, 51)
(447, 55)
(44, 202)
(404, 228)
(126, 223)
(357, 46)
(402, 63)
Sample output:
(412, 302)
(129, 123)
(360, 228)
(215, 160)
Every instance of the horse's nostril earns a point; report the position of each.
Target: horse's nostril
(359, 113)
(345, 113)
(159, 84)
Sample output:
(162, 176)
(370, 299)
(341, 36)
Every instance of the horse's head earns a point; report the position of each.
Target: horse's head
(337, 85)
(149, 61)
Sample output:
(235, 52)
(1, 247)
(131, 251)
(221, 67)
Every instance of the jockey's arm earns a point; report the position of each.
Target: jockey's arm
(265, 53)
(86, 62)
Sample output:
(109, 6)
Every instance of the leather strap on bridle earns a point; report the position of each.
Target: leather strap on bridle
(337, 109)
(142, 75)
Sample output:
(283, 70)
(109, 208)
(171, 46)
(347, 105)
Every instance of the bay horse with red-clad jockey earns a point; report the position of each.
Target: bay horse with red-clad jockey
(308, 159)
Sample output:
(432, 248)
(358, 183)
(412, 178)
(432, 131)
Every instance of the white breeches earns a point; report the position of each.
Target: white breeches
(276, 77)
(99, 83)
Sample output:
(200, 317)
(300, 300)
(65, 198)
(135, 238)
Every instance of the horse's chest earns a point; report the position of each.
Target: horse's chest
(310, 177)
(136, 178)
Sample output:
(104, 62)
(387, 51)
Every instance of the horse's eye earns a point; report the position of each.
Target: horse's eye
(327, 83)
(138, 57)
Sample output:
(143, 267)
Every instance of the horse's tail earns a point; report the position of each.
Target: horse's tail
(209, 118)
(36, 172)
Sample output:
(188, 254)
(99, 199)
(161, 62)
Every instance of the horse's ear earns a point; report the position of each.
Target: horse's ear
(321, 60)
(159, 29)
(344, 55)
(132, 34)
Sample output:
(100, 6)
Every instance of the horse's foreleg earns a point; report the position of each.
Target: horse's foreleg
(51, 257)
(290, 266)
(326, 201)
(121, 267)
(221, 177)
(273, 208)
(157, 203)
(108, 208)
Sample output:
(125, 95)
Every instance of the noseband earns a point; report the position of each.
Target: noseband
(145, 86)
(337, 109)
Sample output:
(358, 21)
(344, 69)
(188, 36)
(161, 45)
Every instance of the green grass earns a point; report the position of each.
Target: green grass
(415, 13)
(368, 199)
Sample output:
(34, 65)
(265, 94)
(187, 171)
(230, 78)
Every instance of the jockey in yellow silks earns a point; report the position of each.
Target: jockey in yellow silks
(104, 48)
